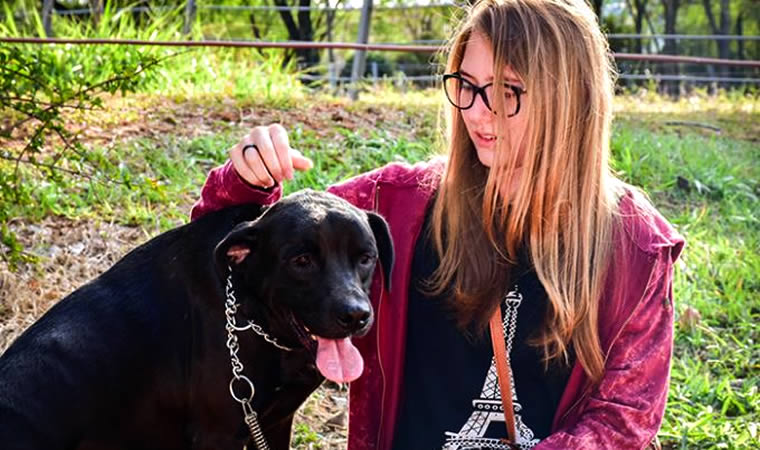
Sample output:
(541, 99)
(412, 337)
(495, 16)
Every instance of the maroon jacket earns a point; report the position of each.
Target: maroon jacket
(623, 410)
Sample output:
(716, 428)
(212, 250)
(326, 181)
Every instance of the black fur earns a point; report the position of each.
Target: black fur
(136, 359)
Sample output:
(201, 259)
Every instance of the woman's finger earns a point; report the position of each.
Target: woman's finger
(299, 161)
(253, 159)
(262, 140)
(282, 149)
(241, 166)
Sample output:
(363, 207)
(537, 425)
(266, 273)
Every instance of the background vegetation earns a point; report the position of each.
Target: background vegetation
(129, 134)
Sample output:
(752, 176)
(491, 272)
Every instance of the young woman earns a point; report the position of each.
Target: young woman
(523, 213)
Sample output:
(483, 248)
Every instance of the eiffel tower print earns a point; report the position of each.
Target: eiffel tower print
(487, 410)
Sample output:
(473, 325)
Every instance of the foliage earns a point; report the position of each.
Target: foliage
(37, 85)
(706, 183)
(713, 402)
(43, 87)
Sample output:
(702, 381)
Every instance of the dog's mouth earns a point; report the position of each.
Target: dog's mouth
(338, 360)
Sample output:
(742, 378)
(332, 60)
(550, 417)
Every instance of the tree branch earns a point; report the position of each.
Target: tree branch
(710, 16)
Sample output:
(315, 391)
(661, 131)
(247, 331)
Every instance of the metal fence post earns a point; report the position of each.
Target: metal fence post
(190, 11)
(375, 71)
(360, 57)
(332, 75)
(96, 11)
(47, 17)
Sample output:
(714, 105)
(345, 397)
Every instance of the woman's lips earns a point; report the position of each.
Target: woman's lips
(484, 140)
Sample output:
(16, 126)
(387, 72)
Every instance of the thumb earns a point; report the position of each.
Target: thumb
(300, 162)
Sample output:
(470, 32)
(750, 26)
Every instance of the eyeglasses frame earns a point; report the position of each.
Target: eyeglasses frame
(482, 91)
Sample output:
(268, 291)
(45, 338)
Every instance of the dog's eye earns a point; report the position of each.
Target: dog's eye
(367, 259)
(302, 262)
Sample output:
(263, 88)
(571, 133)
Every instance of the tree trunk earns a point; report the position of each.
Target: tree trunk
(598, 4)
(671, 45)
(721, 28)
(301, 31)
(47, 17)
(638, 19)
(254, 27)
(740, 32)
(329, 33)
(96, 11)
(671, 17)
(190, 11)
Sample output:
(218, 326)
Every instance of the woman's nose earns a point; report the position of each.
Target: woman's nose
(479, 108)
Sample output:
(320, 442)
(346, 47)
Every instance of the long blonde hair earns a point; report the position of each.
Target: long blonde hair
(561, 215)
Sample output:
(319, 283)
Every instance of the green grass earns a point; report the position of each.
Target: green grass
(714, 396)
(706, 183)
(185, 73)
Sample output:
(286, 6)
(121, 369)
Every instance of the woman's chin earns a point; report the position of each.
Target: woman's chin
(485, 157)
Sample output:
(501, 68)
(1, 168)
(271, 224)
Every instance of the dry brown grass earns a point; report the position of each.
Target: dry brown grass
(69, 255)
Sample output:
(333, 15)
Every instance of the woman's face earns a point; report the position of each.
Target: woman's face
(477, 67)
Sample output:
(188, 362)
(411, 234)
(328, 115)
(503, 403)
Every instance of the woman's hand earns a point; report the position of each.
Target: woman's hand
(264, 157)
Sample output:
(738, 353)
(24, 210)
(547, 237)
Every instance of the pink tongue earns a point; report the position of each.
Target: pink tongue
(339, 360)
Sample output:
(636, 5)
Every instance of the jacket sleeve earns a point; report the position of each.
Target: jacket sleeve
(224, 188)
(625, 409)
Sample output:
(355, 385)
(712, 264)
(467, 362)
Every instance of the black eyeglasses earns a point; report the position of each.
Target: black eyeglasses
(462, 94)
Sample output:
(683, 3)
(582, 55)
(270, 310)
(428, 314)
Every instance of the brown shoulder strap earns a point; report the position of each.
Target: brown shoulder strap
(502, 368)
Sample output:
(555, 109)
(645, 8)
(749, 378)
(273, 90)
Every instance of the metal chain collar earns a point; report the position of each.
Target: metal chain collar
(250, 416)
(512, 301)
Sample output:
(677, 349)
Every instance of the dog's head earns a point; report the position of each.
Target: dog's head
(311, 257)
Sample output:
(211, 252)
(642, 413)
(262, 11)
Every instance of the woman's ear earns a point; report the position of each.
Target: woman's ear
(384, 245)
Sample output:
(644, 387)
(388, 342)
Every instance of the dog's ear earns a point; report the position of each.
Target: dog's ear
(384, 245)
(236, 246)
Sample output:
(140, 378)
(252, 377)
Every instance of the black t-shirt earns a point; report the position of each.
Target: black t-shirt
(451, 398)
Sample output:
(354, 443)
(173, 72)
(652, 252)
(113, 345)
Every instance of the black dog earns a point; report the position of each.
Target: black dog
(139, 358)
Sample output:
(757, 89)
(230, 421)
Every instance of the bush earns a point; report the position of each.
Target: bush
(37, 86)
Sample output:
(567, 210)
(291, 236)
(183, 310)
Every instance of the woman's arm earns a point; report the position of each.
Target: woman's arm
(224, 188)
(625, 409)
(257, 166)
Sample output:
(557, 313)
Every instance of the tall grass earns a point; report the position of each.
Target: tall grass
(260, 76)
(714, 400)
(706, 184)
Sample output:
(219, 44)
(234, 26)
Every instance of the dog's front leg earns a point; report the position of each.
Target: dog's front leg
(277, 436)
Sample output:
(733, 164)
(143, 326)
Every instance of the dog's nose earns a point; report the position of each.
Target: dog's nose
(355, 316)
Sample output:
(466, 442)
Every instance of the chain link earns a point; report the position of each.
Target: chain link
(250, 416)
(231, 310)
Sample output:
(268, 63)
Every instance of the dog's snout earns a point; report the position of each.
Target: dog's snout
(354, 316)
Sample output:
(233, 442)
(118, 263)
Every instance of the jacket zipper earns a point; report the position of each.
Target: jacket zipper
(377, 341)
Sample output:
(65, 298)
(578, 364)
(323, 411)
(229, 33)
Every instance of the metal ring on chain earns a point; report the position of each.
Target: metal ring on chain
(245, 327)
(231, 307)
(241, 399)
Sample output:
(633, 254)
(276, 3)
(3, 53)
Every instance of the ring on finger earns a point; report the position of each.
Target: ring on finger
(249, 146)
(253, 146)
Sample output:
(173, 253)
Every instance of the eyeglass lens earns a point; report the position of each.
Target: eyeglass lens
(462, 94)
